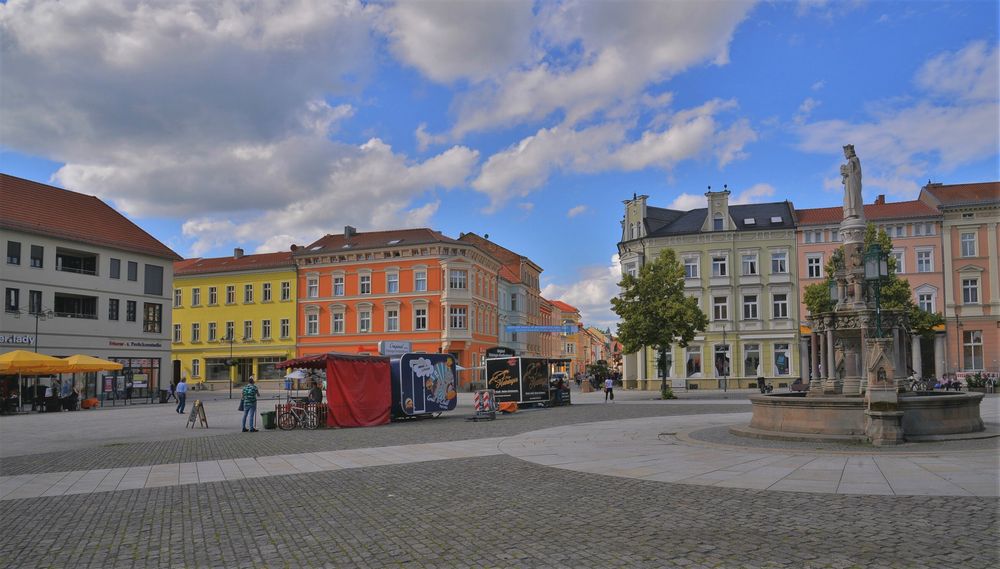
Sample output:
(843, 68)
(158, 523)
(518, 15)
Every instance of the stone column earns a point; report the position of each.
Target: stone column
(804, 359)
(852, 370)
(831, 384)
(897, 355)
(915, 357)
(816, 356)
(939, 347)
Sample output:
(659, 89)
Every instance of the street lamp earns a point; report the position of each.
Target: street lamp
(877, 270)
(43, 314)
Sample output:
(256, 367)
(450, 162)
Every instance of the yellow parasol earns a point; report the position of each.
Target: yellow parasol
(22, 361)
(83, 363)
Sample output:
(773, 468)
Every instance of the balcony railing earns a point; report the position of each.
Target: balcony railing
(77, 270)
(83, 315)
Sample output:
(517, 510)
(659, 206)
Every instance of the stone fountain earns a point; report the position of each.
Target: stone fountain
(858, 362)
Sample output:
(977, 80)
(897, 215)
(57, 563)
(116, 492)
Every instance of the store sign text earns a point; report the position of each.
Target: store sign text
(130, 344)
(16, 339)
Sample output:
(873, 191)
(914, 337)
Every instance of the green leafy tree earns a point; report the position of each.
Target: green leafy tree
(895, 293)
(654, 310)
(599, 370)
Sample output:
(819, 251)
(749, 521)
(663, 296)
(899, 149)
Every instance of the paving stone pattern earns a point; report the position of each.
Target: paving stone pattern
(491, 512)
(448, 427)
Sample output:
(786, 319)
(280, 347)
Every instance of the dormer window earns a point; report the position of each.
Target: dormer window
(717, 222)
(749, 221)
(776, 219)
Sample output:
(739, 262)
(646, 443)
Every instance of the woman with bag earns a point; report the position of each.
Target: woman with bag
(609, 390)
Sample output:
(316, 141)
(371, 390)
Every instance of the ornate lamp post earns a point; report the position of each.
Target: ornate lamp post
(41, 314)
(232, 364)
(876, 271)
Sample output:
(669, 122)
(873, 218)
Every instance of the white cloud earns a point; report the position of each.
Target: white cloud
(970, 74)
(576, 210)
(754, 194)
(612, 51)
(818, 85)
(805, 109)
(213, 111)
(591, 293)
(526, 207)
(448, 40)
(899, 146)
(688, 134)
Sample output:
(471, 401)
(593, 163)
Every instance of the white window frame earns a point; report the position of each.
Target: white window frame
(286, 328)
(720, 265)
(195, 367)
(178, 295)
(339, 284)
(364, 319)
(392, 282)
(749, 349)
(196, 296)
(265, 329)
(195, 332)
(230, 294)
(338, 321)
(213, 332)
(930, 305)
(751, 309)
(365, 283)
(774, 358)
(213, 296)
(969, 251)
(248, 293)
(779, 262)
(458, 279)
(720, 310)
(420, 280)
(692, 261)
(312, 286)
(265, 292)
(971, 340)
(900, 256)
(779, 309)
(248, 330)
(458, 318)
(694, 350)
(391, 316)
(970, 290)
(177, 333)
(814, 261)
(286, 291)
(750, 261)
(312, 323)
(929, 261)
(417, 317)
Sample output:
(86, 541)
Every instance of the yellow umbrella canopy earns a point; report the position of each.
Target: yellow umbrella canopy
(22, 361)
(84, 363)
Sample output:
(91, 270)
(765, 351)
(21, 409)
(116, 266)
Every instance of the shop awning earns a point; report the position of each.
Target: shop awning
(318, 361)
(81, 363)
(29, 363)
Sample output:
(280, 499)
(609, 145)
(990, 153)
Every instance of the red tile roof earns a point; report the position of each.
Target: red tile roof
(373, 240)
(563, 306)
(230, 264)
(47, 210)
(893, 210)
(961, 194)
(509, 275)
(511, 260)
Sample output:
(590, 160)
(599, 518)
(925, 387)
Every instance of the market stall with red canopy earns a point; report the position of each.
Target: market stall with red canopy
(357, 387)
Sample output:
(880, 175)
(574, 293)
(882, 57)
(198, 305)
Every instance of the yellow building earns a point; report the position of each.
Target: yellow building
(233, 317)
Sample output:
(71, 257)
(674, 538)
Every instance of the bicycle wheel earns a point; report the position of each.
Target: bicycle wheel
(310, 421)
(286, 421)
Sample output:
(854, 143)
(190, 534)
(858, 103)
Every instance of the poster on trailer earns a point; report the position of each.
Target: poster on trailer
(423, 383)
(522, 380)
(534, 380)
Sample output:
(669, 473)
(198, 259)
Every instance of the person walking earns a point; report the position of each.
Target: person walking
(182, 391)
(609, 390)
(250, 393)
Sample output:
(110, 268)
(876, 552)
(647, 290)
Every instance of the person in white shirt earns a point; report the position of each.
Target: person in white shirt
(609, 389)
(181, 390)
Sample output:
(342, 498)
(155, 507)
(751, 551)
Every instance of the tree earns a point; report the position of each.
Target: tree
(654, 310)
(895, 293)
(599, 370)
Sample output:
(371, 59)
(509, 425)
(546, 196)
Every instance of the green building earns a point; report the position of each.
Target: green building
(740, 263)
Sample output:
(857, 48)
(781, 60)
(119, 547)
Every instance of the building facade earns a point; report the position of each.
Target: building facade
(414, 285)
(915, 229)
(80, 278)
(233, 318)
(969, 241)
(570, 345)
(518, 304)
(740, 263)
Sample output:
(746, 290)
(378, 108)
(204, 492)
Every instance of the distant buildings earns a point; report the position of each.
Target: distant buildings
(234, 317)
(749, 264)
(80, 278)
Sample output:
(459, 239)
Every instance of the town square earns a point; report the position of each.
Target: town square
(510, 283)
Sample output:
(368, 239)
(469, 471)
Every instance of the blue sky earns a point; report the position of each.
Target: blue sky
(223, 124)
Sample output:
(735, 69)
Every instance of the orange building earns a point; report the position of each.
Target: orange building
(970, 241)
(412, 285)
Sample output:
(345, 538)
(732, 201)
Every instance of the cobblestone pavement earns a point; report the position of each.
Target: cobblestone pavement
(491, 512)
(449, 427)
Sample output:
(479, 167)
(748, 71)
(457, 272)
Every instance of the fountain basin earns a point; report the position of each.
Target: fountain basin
(926, 416)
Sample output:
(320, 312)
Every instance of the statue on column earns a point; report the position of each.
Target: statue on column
(850, 174)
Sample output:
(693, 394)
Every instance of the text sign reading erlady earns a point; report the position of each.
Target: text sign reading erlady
(16, 339)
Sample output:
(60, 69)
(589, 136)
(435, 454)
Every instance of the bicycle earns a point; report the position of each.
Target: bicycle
(297, 415)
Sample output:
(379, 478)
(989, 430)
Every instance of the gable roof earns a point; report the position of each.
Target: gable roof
(893, 210)
(563, 306)
(683, 223)
(509, 259)
(231, 264)
(372, 240)
(962, 194)
(42, 209)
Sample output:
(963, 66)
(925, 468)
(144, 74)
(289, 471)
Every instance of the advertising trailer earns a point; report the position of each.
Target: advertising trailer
(423, 384)
(520, 379)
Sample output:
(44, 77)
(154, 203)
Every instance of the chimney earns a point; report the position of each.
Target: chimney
(880, 200)
(237, 253)
(350, 231)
